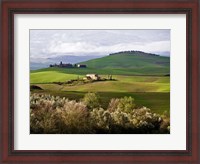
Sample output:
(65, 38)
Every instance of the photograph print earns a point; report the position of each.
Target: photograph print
(100, 81)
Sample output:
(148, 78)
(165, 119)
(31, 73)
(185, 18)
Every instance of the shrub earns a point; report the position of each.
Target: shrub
(165, 124)
(42, 120)
(91, 100)
(73, 118)
(126, 104)
(147, 121)
(140, 120)
(101, 120)
(113, 105)
(50, 114)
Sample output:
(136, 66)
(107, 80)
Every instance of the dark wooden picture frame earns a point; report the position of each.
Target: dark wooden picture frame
(11, 7)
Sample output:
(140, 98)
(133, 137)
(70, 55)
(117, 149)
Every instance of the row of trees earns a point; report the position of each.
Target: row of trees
(50, 114)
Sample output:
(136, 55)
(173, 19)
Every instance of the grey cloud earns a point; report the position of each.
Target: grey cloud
(46, 42)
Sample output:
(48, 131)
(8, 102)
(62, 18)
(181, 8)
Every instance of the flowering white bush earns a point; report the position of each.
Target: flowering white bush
(52, 114)
(125, 104)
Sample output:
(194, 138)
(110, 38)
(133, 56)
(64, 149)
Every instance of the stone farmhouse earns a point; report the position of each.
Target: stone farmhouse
(92, 77)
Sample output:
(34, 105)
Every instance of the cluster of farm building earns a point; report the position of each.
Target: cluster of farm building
(94, 77)
(68, 65)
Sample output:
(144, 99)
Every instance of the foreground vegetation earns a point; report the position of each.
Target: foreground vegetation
(50, 114)
(158, 102)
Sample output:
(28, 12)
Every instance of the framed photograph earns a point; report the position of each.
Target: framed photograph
(100, 81)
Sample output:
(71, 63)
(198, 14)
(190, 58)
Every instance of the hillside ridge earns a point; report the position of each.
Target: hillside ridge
(133, 52)
(121, 63)
(129, 60)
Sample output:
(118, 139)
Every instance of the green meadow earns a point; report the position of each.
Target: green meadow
(120, 84)
(149, 91)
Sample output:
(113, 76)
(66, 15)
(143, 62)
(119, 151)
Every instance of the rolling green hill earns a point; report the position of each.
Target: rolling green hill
(132, 61)
(122, 63)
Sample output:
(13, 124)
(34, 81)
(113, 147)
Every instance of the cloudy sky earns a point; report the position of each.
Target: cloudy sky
(52, 43)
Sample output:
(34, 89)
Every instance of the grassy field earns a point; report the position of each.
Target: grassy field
(122, 84)
(160, 71)
(149, 91)
(51, 76)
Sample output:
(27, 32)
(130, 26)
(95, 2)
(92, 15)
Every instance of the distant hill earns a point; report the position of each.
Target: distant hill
(38, 63)
(136, 61)
(35, 65)
(121, 63)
